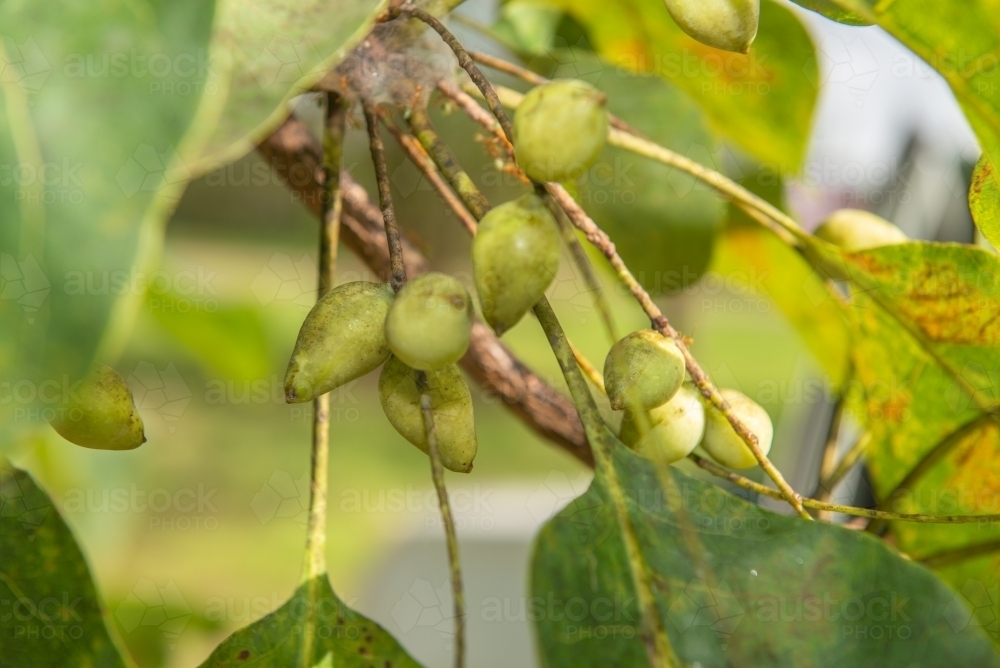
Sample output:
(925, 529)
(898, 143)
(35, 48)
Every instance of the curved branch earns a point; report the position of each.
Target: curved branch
(295, 155)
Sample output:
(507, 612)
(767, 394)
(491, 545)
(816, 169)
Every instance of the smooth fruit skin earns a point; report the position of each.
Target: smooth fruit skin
(515, 256)
(430, 323)
(730, 25)
(341, 339)
(721, 440)
(101, 414)
(667, 433)
(856, 230)
(451, 404)
(559, 129)
(643, 370)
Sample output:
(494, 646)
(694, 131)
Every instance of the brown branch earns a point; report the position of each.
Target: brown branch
(393, 239)
(294, 154)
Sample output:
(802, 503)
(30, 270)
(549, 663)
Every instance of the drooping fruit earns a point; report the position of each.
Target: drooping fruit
(451, 404)
(643, 370)
(430, 323)
(721, 440)
(857, 230)
(725, 24)
(101, 414)
(515, 256)
(667, 433)
(341, 339)
(559, 129)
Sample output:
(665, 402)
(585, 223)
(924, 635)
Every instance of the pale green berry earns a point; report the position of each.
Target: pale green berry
(559, 129)
(515, 256)
(721, 440)
(730, 25)
(341, 339)
(101, 414)
(643, 370)
(667, 433)
(856, 230)
(451, 404)
(430, 323)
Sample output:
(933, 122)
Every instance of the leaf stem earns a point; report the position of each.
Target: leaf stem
(958, 555)
(451, 537)
(392, 237)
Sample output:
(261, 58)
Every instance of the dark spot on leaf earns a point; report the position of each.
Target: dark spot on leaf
(243, 655)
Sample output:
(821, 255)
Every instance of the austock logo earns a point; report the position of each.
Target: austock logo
(24, 65)
(22, 500)
(975, 605)
(701, 604)
(148, 604)
(282, 497)
(423, 604)
(23, 282)
(161, 390)
(285, 279)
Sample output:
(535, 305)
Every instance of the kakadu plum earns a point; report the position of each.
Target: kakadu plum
(856, 230)
(721, 440)
(101, 414)
(515, 256)
(667, 433)
(451, 405)
(430, 323)
(341, 339)
(725, 24)
(559, 129)
(643, 370)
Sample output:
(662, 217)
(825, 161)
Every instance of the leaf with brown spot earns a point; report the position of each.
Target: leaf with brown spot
(984, 201)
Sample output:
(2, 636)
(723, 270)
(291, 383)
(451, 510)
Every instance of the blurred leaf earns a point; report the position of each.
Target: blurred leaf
(229, 339)
(762, 101)
(663, 222)
(961, 40)
(736, 585)
(761, 260)
(830, 10)
(526, 27)
(52, 615)
(341, 636)
(984, 201)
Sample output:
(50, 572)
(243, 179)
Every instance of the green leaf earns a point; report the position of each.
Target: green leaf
(227, 338)
(526, 27)
(763, 101)
(736, 585)
(341, 636)
(961, 40)
(51, 614)
(830, 10)
(984, 201)
(663, 222)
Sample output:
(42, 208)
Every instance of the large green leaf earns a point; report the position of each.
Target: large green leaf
(341, 637)
(984, 201)
(961, 40)
(50, 614)
(762, 101)
(663, 222)
(736, 585)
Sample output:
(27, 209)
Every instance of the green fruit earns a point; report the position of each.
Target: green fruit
(451, 404)
(725, 24)
(430, 323)
(643, 370)
(101, 414)
(559, 129)
(721, 440)
(515, 256)
(669, 432)
(856, 230)
(341, 339)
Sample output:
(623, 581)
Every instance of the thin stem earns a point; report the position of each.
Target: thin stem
(586, 269)
(958, 555)
(392, 237)
(829, 461)
(419, 157)
(427, 135)
(828, 484)
(451, 537)
(464, 61)
(589, 370)
(764, 490)
(936, 454)
(655, 637)
(602, 242)
(329, 231)
(476, 112)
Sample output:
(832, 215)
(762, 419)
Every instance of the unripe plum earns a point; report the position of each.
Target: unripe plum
(669, 432)
(725, 24)
(430, 323)
(721, 440)
(857, 230)
(643, 370)
(101, 414)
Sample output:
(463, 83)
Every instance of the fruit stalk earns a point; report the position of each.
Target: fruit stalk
(398, 270)
(454, 560)
(603, 243)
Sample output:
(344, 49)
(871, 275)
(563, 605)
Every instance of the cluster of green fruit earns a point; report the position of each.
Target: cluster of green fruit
(665, 417)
